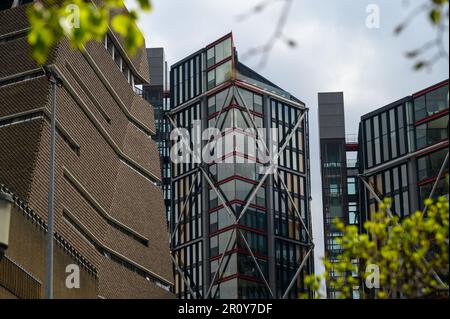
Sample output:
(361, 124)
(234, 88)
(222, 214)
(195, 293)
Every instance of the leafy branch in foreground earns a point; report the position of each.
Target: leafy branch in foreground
(81, 21)
(438, 15)
(411, 255)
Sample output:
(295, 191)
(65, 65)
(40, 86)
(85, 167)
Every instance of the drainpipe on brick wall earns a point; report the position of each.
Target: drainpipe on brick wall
(54, 80)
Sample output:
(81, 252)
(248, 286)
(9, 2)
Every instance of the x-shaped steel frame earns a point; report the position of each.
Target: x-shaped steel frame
(377, 198)
(183, 208)
(230, 213)
(255, 190)
(280, 177)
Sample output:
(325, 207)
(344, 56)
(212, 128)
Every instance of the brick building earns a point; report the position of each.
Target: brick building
(108, 204)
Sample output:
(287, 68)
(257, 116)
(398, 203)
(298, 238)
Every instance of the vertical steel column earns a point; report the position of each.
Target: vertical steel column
(206, 252)
(51, 191)
(270, 200)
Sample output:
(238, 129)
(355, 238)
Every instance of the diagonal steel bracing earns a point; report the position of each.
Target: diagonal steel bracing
(231, 235)
(223, 106)
(299, 270)
(190, 192)
(372, 191)
(293, 204)
(256, 262)
(182, 274)
(236, 230)
(183, 208)
(179, 270)
(441, 172)
(274, 163)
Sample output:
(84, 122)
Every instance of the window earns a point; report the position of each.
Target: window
(257, 242)
(229, 190)
(437, 100)
(258, 103)
(219, 242)
(253, 218)
(223, 73)
(120, 62)
(243, 189)
(385, 136)
(186, 80)
(368, 130)
(217, 102)
(401, 130)
(219, 219)
(219, 52)
(247, 97)
(353, 213)
(211, 79)
(368, 127)
(227, 290)
(392, 183)
(431, 103)
(432, 132)
(429, 165)
(351, 184)
(219, 75)
(387, 182)
(441, 190)
(224, 170)
(376, 135)
(393, 131)
(293, 155)
(210, 57)
(420, 108)
(247, 170)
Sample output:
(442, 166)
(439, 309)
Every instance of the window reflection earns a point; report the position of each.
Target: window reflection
(431, 103)
(219, 52)
(432, 132)
(219, 75)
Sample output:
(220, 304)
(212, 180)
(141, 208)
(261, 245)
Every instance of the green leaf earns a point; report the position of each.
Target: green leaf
(146, 5)
(440, 2)
(125, 25)
(420, 65)
(435, 16)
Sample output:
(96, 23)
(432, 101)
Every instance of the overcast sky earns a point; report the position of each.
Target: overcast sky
(336, 52)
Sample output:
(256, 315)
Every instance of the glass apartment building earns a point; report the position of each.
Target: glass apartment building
(399, 152)
(339, 170)
(157, 94)
(402, 149)
(235, 231)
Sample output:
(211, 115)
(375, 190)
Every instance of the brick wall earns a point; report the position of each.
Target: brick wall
(106, 162)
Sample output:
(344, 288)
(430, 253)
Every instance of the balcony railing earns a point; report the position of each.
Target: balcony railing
(351, 139)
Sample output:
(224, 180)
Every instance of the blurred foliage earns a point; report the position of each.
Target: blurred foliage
(437, 12)
(409, 254)
(81, 21)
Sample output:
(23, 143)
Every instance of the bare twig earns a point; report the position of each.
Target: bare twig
(437, 15)
(277, 35)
